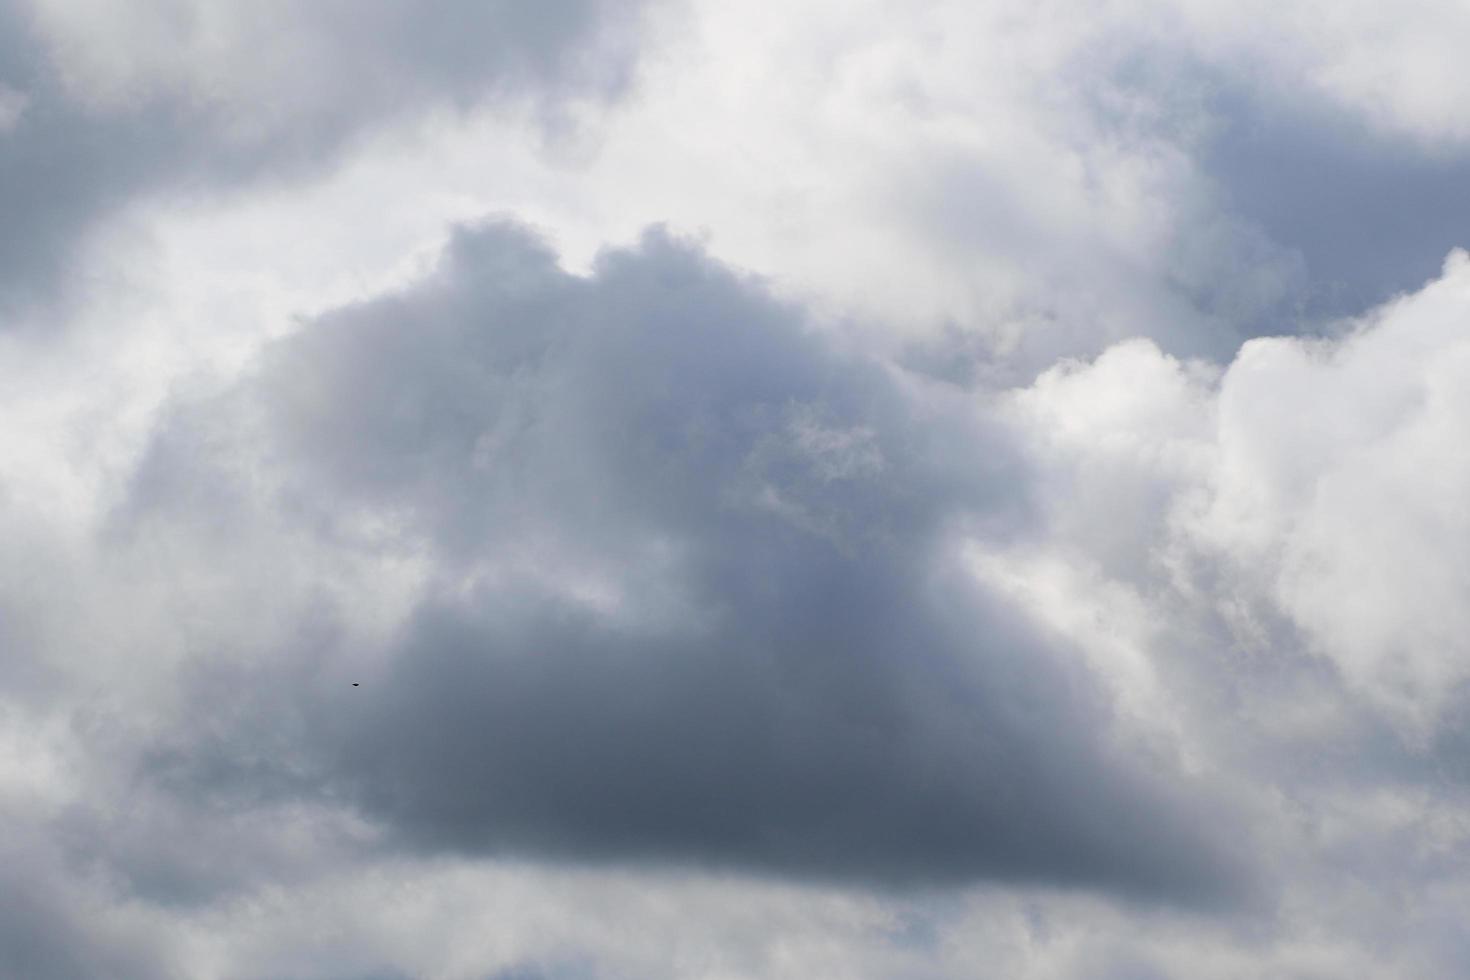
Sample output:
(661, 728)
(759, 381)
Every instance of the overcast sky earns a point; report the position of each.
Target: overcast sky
(494, 490)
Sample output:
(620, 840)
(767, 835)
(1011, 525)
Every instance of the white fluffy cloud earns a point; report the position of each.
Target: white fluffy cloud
(1341, 486)
(1324, 476)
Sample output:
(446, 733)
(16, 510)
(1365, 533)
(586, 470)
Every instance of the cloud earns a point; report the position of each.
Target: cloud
(641, 570)
(1342, 467)
(692, 592)
(100, 108)
(1302, 494)
(1369, 214)
(1252, 556)
(1397, 71)
(984, 552)
(55, 926)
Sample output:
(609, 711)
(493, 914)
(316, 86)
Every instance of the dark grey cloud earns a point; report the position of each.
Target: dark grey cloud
(695, 596)
(320, 75)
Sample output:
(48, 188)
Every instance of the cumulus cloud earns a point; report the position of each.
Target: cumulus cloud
(1318, 493)
(1341, 474)
(1325, 472)
(997, 511)
(692, 591)
(1262, 547)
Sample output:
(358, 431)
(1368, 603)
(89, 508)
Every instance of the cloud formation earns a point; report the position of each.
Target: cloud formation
(685, 490)
(99, 105)
(692, 590)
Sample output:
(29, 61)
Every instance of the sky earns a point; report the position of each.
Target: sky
(677, 489)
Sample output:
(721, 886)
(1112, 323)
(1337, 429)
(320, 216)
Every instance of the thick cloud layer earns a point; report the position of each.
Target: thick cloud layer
(957, 540)
(693, 591)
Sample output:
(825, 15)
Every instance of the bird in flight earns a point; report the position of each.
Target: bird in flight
(354, 683)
